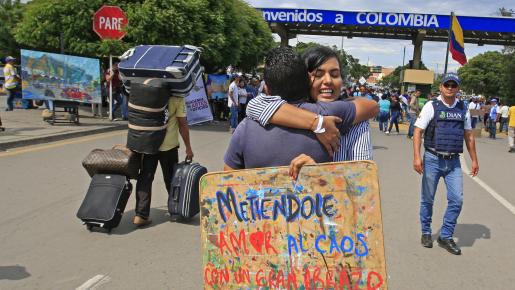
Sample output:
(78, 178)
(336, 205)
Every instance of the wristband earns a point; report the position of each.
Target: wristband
(319, 128)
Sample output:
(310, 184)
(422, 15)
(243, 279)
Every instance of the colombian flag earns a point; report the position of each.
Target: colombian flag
(457, 45)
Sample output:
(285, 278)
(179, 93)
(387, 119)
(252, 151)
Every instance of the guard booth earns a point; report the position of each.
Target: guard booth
(418, 78)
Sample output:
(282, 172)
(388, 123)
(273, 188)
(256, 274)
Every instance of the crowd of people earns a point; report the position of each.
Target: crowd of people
(302, 94)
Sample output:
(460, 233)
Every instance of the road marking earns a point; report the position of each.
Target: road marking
(94, 282)
(486, 187)
(36, 148)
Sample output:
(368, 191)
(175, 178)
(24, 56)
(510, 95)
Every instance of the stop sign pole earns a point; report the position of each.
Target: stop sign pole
(109, 22)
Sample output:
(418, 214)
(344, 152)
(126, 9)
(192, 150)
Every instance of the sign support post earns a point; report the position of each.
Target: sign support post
(109, 22)
(110, 88)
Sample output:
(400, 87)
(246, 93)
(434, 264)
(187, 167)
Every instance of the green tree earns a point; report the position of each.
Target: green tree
(223, 28)
(10, 15)
(484, 74)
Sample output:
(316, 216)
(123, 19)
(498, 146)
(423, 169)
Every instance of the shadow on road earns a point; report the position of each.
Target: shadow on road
(158, 216)
(467, 234)
(222, 126)
(13, 273)
(380, 147)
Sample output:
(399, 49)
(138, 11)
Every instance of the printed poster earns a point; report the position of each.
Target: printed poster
(197, 106)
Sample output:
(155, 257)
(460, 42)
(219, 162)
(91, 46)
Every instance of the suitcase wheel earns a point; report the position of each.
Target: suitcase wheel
(89, 227)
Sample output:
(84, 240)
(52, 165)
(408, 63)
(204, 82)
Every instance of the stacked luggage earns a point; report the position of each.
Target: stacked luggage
(110, 187)
(147, 116)
(151, 74)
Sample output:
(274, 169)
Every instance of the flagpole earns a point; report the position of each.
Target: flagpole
(448, 43)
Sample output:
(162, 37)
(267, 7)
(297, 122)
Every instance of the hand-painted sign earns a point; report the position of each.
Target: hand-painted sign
(52, 76)
(260, 230)
(413, 20)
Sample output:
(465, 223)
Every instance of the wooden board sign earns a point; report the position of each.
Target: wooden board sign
(261, 230)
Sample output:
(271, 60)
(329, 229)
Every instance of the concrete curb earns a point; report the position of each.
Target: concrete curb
(52, 138)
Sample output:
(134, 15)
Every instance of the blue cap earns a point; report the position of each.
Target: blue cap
(9, 58)
(451, 77)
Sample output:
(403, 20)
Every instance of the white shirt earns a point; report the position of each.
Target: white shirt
(261, 87)
(233, 94)
(404, 100)
(505, 111)
(428, 112)
(474, 106)
(242, 95)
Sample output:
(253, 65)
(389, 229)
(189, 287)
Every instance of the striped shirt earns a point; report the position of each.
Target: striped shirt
(354, 145)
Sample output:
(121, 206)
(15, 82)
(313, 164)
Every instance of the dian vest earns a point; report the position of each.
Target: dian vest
(446, 130)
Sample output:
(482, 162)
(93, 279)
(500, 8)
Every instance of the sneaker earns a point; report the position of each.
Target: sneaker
(449, 245)
(511, 149)
(398, 133)
(387, 132)
(426, 241)
(141, 222)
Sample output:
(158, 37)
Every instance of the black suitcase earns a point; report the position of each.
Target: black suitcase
(151, 94)
(178, 66)
(105, 201)
(147, 117)
(183, 198)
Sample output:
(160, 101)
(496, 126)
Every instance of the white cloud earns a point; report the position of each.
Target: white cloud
(389, 52)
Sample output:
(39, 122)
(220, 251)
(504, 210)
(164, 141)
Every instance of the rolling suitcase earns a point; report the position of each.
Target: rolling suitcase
(178, 66)
(105, 201)
(183, 198)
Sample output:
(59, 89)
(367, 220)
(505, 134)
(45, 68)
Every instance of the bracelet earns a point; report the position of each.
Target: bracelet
(319, 128)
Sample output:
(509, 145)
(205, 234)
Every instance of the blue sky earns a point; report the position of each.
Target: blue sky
(387, 52)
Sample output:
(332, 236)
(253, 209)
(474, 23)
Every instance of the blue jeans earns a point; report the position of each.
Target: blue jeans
(233, 119)
(450, 170)
(493, 128)
(11, 93)
(503, 124)
(412, 119)
(394, 120)
(125, 106)
(383, 120)
(473, 122)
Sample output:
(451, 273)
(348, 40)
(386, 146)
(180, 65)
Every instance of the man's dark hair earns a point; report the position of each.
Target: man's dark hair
(316, 56)
(285, 74)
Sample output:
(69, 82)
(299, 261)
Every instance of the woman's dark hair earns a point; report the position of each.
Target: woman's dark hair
(316, 56)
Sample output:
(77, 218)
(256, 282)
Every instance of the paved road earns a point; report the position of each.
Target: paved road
(44, 246)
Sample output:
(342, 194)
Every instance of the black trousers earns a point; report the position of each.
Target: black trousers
(167, 159)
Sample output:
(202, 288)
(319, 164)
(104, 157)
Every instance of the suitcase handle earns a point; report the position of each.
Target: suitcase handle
(188, 57)
(127, 54)
(188, 160)
(177, 72)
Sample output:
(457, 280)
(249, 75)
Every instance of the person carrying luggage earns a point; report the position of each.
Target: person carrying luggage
(167, 156)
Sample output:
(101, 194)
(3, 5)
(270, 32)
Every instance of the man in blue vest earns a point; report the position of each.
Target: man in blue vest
(445, 123)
